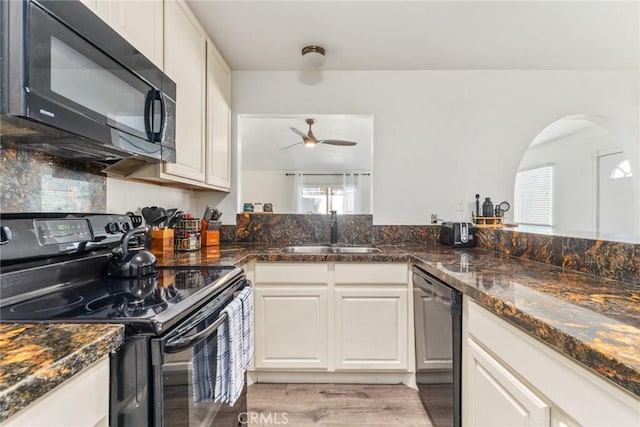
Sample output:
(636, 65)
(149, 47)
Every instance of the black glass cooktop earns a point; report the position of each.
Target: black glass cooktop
(154, 302)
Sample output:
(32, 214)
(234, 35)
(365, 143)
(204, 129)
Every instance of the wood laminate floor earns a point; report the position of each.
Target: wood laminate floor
(345, 405)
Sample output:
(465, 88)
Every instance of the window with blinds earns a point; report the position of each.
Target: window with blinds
(533, 196)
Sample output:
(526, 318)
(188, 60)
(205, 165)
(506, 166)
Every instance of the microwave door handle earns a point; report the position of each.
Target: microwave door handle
(159, 137)
(179, 343)
(148, 114)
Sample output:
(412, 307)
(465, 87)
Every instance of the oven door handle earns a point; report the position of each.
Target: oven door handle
(178, 343)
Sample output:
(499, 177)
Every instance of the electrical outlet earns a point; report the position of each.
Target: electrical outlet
(459, 206)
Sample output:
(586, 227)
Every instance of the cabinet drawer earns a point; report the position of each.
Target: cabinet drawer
(291, 273)
(387, 273)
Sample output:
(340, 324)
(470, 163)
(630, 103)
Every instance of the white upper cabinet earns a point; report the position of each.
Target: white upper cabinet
(218, 144)
(184, 62)
(140, 22)
(203, 105)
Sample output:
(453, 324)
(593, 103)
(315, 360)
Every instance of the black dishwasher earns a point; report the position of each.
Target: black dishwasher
(438, 329)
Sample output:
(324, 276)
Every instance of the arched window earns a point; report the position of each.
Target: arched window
(621, 170)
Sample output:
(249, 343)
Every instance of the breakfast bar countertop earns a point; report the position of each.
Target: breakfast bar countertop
(592, 320)
(35, 358)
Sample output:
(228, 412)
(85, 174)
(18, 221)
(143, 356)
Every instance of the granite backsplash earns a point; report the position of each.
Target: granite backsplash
(36, 182)
(300, 229)
(615, 260)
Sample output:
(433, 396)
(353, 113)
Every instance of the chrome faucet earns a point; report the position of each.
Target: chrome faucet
(334, 227)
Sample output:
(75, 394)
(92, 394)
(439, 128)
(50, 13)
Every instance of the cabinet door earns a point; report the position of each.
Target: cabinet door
(184, 63)
(433, 327)
(140, 22)
(494, 397)
(218, 166)
(370, 327)
(291, 327)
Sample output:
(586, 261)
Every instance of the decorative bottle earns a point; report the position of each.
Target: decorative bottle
(487, 207)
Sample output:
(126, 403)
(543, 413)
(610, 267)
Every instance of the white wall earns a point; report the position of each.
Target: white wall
(124, 196)
(269, 187)
(443, 135)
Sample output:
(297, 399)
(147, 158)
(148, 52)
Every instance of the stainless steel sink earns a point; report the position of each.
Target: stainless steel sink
(356, 250)
(330, 250)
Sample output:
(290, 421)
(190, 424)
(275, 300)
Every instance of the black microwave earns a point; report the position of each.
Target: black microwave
(73, 87)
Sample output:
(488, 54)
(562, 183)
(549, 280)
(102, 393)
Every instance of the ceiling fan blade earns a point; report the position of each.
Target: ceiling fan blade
(337, 142)
(300, 133)
(292, 145)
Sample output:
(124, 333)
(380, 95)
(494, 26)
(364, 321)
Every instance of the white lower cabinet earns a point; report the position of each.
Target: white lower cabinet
(291, 327)
(511, 379)
(328, 317)
(82, 400)
(497, 398)
(370, 327)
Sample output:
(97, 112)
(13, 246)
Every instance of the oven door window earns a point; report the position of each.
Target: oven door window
(179, 373)
(69, 71)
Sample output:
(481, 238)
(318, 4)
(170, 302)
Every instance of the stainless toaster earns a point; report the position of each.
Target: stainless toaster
(458, 234)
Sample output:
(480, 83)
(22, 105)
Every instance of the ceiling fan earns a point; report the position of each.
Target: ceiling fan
(309, 140)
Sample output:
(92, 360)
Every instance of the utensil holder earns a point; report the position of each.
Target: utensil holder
(162, 241)
(210, 238)
(187, 234)
(210, 233)
(211, 225)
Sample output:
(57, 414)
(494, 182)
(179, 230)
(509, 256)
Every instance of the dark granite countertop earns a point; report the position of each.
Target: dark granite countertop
(35, 358)
(593, 320)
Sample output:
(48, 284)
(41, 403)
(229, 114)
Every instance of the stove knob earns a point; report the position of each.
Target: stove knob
(113, 227)
(125, 227)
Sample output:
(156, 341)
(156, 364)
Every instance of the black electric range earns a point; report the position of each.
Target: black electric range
(51, 278)
(53, 269)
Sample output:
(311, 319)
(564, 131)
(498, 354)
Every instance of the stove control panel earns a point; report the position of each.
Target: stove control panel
(117, 227)
(36, 235)
(61, 231)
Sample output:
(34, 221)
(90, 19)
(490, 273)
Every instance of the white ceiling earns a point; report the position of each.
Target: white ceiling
(263, 137)
(425, 34)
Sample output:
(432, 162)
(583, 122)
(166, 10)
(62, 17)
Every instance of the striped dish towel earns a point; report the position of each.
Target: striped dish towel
(230, 366)
(246, 298)
(222, 363)
(204, 369)
(235, 347)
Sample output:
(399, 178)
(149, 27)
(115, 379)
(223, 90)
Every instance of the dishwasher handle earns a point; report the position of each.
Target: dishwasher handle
(441, 293)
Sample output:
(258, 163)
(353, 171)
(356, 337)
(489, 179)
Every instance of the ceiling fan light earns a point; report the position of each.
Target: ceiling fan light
(309, 144)
(313, 56)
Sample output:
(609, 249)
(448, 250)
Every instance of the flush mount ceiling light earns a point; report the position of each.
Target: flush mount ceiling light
(313, 56)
